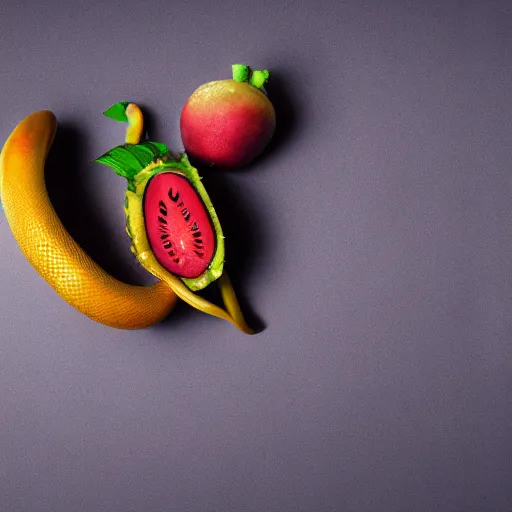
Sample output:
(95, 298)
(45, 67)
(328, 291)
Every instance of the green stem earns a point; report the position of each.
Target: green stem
(241, 72)
(256, 78)
(259, 77)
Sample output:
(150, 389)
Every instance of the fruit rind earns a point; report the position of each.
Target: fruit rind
(134, 212)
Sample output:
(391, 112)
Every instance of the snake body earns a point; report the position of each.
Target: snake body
(52, 251)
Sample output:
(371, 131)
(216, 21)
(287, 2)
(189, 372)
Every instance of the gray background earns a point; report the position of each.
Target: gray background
(373, 241)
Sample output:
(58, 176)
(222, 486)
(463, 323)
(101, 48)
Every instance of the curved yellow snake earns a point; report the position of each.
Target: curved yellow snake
(49, 247)
(63, 264)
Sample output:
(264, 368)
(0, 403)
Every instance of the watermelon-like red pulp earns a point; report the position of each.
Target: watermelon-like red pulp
(178, 225)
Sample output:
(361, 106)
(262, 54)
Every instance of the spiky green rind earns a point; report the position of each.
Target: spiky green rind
(180, 163)
(117, 112)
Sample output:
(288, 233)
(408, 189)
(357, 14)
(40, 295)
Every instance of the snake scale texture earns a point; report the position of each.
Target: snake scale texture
(51, 250)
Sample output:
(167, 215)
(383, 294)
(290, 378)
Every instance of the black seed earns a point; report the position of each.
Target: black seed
(198, 241)
(187, 217)
(194, 227)
(163, 208)
(176, 260)
(200, 254)
(171, 253)
(162, 220)
(181, 204)
(196, 235)
(167, 245)
(163, 237)
(173, 198)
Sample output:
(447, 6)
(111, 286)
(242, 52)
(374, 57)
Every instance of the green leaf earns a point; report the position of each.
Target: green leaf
(147, 152)
(128, 160)
(117, 112)
(122, 161)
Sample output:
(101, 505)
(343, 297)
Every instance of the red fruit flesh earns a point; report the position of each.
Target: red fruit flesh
(227, 123)
(178, 226)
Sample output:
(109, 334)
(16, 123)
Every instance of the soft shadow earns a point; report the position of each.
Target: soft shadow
(150, 124)
(68, 186)
(182, 313)
(280, 89)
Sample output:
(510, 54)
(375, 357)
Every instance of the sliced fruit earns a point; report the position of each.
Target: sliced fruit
(178, 226)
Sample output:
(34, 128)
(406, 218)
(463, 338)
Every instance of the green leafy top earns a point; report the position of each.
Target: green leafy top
(257, 78)
(128, 160)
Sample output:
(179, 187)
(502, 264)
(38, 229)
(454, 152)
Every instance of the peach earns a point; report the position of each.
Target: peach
(228, 123)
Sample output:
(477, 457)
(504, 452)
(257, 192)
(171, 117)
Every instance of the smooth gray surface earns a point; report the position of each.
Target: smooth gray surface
(375, 244)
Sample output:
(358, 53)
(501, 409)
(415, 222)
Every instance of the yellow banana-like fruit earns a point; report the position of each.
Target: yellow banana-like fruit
(50, 248)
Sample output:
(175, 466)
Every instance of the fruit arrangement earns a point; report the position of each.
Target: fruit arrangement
(174, 230)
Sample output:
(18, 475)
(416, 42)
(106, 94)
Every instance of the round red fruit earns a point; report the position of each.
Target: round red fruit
(228, 123)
